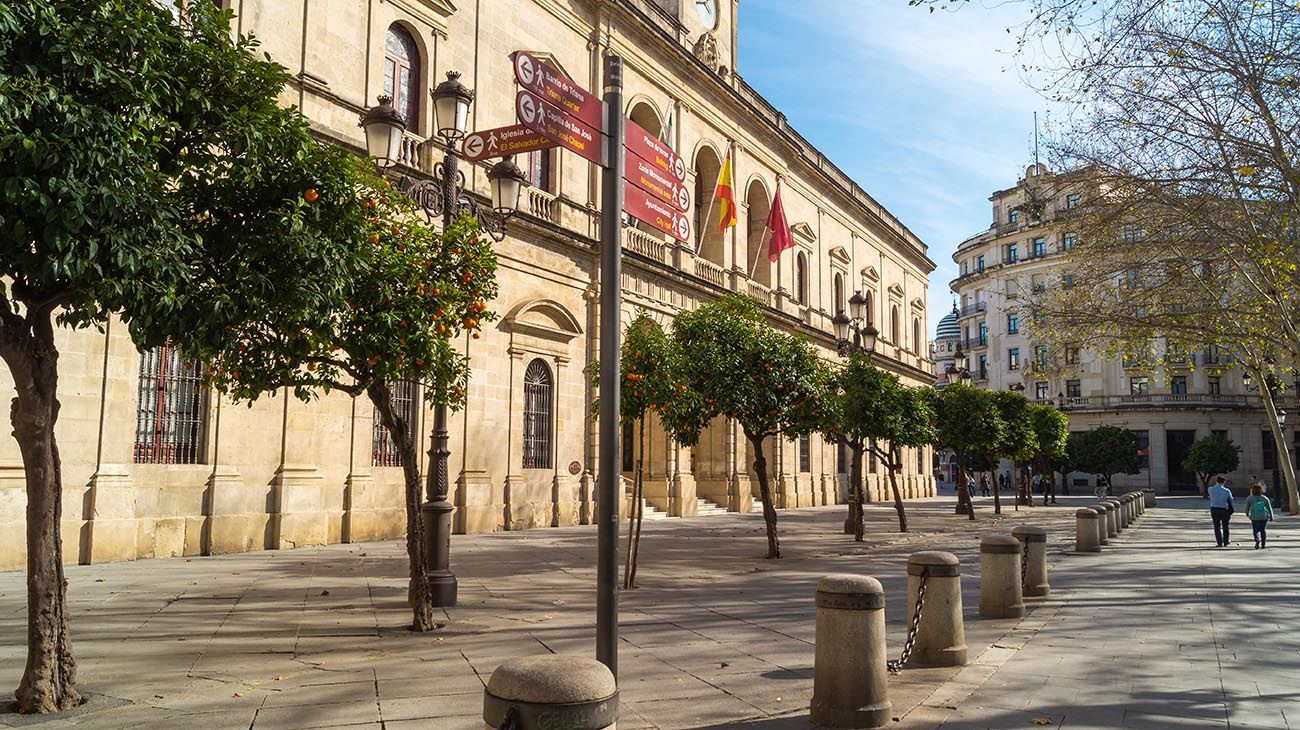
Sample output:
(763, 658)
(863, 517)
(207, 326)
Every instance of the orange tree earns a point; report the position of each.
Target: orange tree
(405, 293)
(649, 363)
(734, 363)
(1052, 432)
(1017, 441)
(968, 422)
(136, 152)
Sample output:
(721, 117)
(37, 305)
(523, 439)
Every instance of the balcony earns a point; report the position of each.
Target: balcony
(970, 309)
(1153, 401)
(649, 245)
(542, 205)
(971, 343)
(760, 292)
(710, 272)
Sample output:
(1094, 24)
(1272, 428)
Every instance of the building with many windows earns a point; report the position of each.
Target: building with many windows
(1169, 405)
(154, 465)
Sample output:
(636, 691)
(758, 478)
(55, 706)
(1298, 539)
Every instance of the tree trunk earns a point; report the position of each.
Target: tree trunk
(964, 504)
(855, 498)
(859, 494)
(637, 511)
(997, 492)
(49, 682)
(1282, 450)
(1029, 485)
(418, 594)
(765, 494)
(895, 465)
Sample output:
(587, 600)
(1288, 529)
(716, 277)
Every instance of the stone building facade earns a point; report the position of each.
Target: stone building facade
(155, 466)
(1169, 405)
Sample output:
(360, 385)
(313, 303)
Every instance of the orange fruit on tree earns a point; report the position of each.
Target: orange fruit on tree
(310, 195)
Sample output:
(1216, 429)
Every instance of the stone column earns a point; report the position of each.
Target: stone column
(112, 526)
(941, 636)
(1000, 592)
(1033, 543)
(849, 673)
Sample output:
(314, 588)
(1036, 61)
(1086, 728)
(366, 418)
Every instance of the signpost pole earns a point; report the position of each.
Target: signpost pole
(607, 467)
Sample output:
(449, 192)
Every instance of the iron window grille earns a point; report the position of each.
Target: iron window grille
(537, 416)
(383, 451)
(172, 412)
(805, 453)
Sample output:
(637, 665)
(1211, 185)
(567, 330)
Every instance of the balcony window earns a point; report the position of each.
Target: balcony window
(1144, 448)
(979, 263)
(1068, 241)
(984, 334)
(1139, 386)
(1067, 281)
(1269, 450)
(1071, 356)
(1040, 246)
(1212, 385)
(1013, 358)
(1013, 216)
(402, 74)
(1178, 385)
(1013, 324)
(1071, 202)
(984, 367)
(1040, 391)
(1013, 254)
(1040, 357)
(1072, 389)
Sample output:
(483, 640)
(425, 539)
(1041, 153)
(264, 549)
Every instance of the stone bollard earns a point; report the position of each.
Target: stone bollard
(1149, 498)
(849, 675)
(551, 691)
(941, 638)
(1112, 517)
(1133, 510)
(1141, 502)
(1086, 539)
(1000, 593)
(1033, 550)
(1122, 502)
(1103, 523)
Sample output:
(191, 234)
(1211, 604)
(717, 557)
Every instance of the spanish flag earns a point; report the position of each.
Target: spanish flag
(727, 194)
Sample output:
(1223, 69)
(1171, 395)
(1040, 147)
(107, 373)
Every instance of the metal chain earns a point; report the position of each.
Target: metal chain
(895, 666)
(1024, 565)
(511, 720)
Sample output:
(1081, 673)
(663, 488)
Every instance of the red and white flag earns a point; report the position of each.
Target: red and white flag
(776, 223)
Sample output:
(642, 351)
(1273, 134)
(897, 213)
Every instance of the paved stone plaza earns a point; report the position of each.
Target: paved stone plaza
(1162, 630)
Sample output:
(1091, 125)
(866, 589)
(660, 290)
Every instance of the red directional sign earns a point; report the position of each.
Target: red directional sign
(646, 207)
(652, 149)
(655, 181)
(513, 140)
(561, 128)
(559, 90)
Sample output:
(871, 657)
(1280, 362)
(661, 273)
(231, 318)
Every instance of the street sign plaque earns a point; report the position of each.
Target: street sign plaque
(654, 212)
(502, 141)
(653, 150)
(559, 127)
(653, 180)
(559, 90)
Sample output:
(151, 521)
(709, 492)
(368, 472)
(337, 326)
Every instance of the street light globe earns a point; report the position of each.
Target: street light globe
(841, 324)
(858, 306)
(869, 335)
(507, 183)
(1281, 417)
(952, 375)
(451, 100)
(384, 128)
(959, 359)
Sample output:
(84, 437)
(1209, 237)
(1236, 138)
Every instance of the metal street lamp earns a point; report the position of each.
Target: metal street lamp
(957, 372)
(443, 194)
(854, 323)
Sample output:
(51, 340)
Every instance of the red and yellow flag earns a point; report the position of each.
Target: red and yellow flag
(727, 194)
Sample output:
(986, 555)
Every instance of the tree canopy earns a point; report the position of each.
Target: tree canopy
(1210, 455)
(1107, 450)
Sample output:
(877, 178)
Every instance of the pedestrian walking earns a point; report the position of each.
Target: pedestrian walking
(970, 487)
(1221, 510)
(1260, 512)
(1049, 487)
(984, 485)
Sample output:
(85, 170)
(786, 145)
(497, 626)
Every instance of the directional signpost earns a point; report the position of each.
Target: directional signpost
(559, 90)
(565, 130)
(652, 149)
(655, 212)
(657, 195)
(502, 141)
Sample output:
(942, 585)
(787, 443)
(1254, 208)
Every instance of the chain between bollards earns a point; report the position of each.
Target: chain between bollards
(1024, 564)
(896, 666)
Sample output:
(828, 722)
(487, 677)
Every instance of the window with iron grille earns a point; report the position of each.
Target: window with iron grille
(383, 451)
(171, 418)
(871, 456)
(841, 459)
(537, 416)
(805, 453)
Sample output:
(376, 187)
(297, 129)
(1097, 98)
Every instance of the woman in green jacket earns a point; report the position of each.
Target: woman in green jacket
(1260, 512)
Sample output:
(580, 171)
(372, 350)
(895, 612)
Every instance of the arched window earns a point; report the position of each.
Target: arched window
(871, 306)
(537, 416)
(539, 169)
(894, 333)
(916, 334)
(838, 305)
(801, 278)
(402, 74)
(172, 412)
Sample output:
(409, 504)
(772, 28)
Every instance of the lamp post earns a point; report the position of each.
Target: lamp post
(863, 342)
(957, 372)
(1278, 491)
(443, 194)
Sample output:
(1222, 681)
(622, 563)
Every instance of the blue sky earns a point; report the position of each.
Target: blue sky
(915, 106)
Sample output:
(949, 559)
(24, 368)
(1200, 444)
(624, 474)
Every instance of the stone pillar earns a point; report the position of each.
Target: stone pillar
(13, 520)
(941, 638)
(237, 519)
(1149, 497)
(1000, 592)
(1103, 533)
(299, 518)
(1112, 521)
(551, 691)
(849, 675)
(112, 525)
(1085, 531)
(1033, 543)
(477, 506)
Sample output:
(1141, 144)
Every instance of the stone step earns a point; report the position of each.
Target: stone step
(705, 507)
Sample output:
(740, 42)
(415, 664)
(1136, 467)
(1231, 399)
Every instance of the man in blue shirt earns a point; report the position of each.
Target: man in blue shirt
(1221, 510)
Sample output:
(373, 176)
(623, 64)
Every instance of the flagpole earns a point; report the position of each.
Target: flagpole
(766, 232)
(713, 201)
